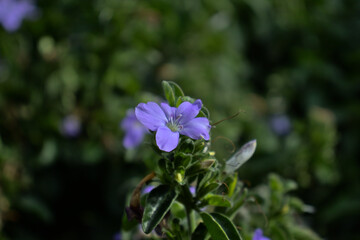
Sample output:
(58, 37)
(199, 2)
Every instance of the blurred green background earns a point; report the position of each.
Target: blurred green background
(68, 75)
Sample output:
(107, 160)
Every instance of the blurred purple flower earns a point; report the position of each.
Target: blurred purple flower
(192, 190)
(134, 130)
(170, 122)
(12, 12)
(280, 124)
(258, 235)
(147, 189)
(70, 126)
(117, 236)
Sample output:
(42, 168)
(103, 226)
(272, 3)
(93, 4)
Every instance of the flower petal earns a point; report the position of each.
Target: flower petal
(166, 139)
(133, 137)
(128, 120)
(150, 115)
(197, 128)
(258, 235)
(188, 111)
(169, 111)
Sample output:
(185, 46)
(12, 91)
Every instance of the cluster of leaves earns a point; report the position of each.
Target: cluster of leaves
(172, 210)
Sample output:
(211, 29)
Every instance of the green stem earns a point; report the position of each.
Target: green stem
(188, 218)
(188, 204)
(237, 204)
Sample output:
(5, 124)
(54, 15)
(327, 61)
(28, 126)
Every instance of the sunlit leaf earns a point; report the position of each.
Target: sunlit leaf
(220, 227)
(215, 200)
(240, 157)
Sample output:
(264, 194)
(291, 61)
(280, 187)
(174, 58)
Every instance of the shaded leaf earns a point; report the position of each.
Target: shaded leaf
(177, 90)
(169, 93)
(200, 232)
(157, 205)
(206, 189)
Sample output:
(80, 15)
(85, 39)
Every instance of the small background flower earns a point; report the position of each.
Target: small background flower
(117, 236)
(12, 13)
(70, 126)
(134, 130)
(258, 235)
(280, 124)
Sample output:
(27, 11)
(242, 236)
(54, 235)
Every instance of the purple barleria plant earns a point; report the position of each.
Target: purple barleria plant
(134, 130)
(12, 12)
(258, 235)
(169, 122)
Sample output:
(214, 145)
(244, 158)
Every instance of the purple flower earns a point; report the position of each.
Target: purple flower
(70, 126)
(280, 124)
(170, 122)
(117, 236)
(192, 190)
(147, 189)
(258, 235)
(12, 12)
(134, 130)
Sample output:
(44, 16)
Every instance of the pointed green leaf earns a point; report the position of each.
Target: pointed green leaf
(177, 90)
(238, 203)
(204, 112)
(195, 169)
(220, 227)
(157, 205)
(240, 157)
(232, 185)
(215, 200)
(206, 189)
(169, 93)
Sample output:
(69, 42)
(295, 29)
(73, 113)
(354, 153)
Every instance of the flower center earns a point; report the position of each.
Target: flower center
(173, 123)
(173, 126)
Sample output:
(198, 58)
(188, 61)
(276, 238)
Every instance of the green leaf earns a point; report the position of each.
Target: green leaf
(232, 185)
(177, 90)
(200, 232)
(240, 157)
(220, 227)
(157, 205)
(204, 112)
(182, 159)
(178, 210)
(169, 93)
(187, 146)
(173, 93)
(206, 189)
(215, 200)
(195, 169)
(238, 203)
(302, 233)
